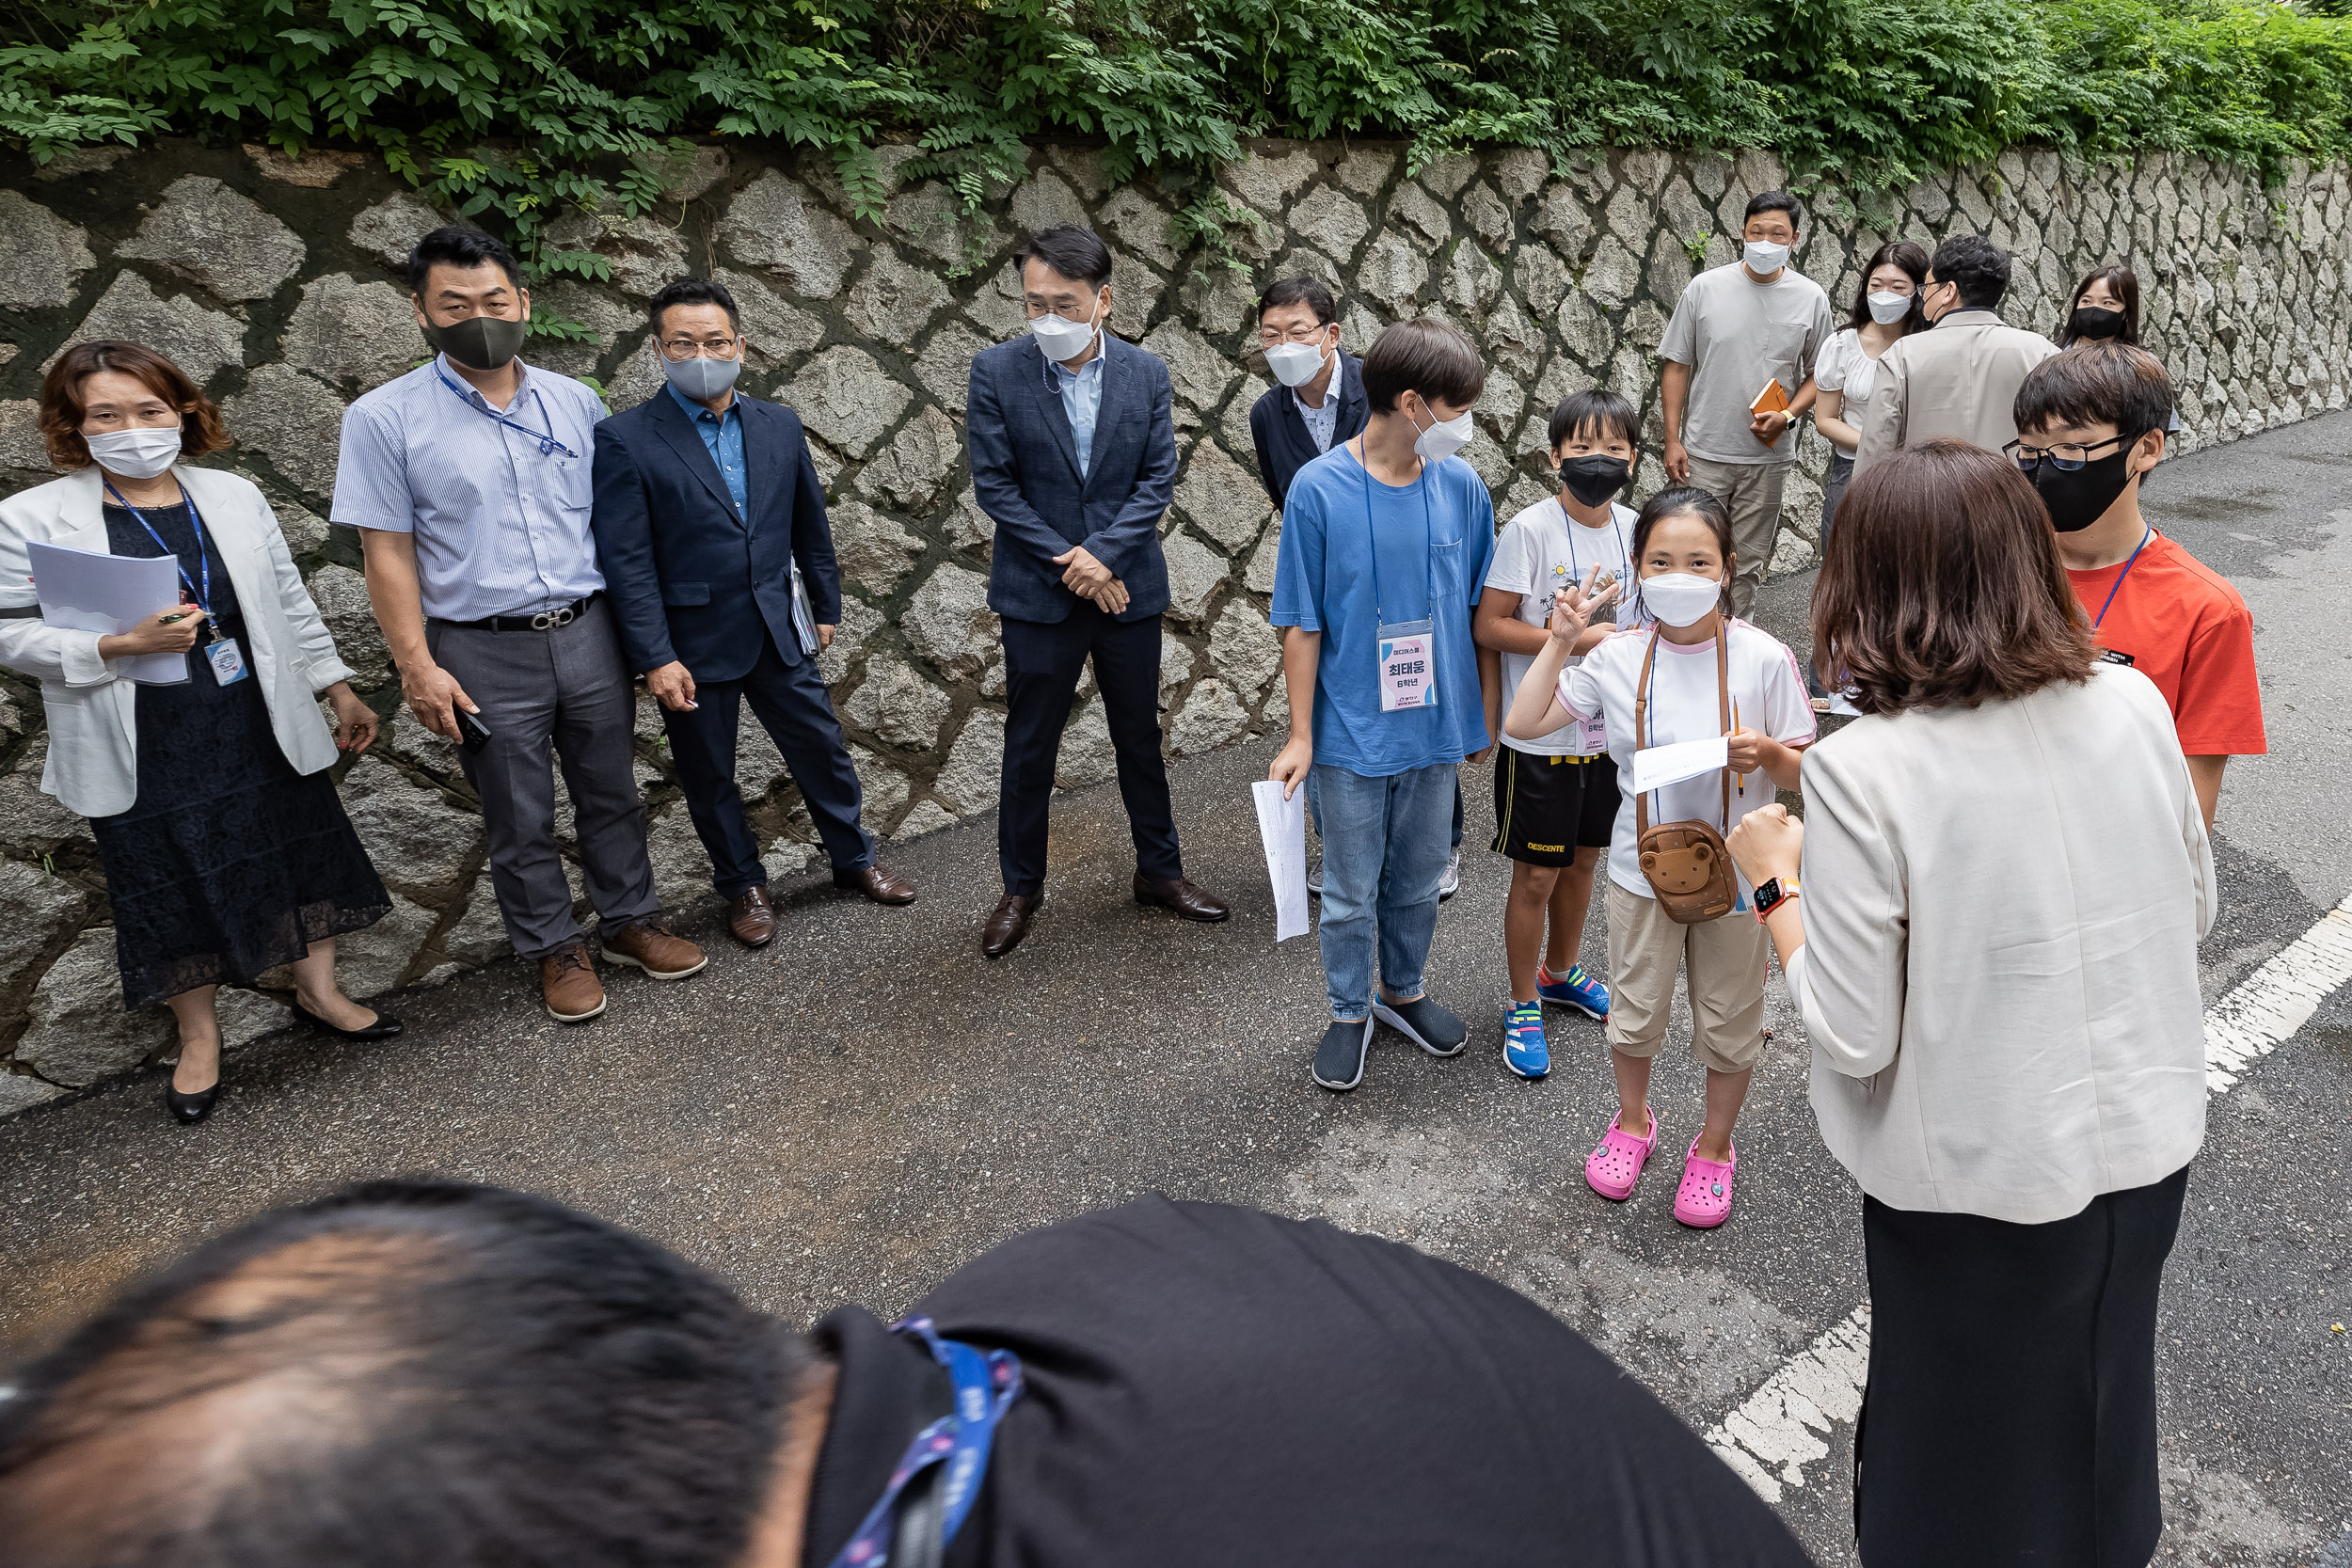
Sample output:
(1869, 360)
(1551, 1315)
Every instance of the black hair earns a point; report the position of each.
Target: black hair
(1913, 259)
(1775, 202)
(1974, 266)
(694, 291)
(1302, 290)
(1073, 250)
(459, 244)
(1679, 502)
(1598, 410)
(403, 1372)
(1424, 356)
(2096, 382)
(2123, 283)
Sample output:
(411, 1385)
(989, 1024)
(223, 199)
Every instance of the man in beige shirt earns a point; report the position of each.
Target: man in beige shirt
(1959, 381)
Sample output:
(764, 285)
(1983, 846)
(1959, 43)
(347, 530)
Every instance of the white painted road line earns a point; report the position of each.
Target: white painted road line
(1785, 1425)
(2265, 1008)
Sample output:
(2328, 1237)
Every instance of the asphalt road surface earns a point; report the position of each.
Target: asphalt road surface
(854, 1112)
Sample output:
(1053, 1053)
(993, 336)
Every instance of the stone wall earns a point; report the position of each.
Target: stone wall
(274, 282)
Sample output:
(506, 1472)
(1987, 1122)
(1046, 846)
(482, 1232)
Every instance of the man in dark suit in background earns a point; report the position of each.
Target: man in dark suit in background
(710, 529)
(1074, 454)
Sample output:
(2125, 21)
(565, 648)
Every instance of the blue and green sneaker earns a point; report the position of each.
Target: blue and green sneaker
(1575, 988)
(1524, 1051)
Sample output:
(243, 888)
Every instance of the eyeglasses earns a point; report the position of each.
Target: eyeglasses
(1269, 339)
(706, 348)
(2065, 458)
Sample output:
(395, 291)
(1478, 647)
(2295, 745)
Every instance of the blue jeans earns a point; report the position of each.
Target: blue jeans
(1383, 852)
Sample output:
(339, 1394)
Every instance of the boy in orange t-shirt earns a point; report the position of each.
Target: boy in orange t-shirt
(2103, 408)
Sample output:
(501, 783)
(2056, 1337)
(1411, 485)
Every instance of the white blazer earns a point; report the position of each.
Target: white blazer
(93, 724)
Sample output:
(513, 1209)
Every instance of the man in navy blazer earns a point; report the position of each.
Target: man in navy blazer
(1074, 455)
(1321, 399)
(707, 509)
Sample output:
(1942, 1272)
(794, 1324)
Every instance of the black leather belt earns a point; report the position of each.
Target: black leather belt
(546, 620)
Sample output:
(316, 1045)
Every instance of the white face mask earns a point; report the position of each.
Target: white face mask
(140, 453)
(1886, 310)
(1444, 439)
(1062, 338)
(1680, 598)
(1764, 257)
(1295, 364)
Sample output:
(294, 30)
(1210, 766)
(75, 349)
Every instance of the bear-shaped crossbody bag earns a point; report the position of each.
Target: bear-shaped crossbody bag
(1685, 863)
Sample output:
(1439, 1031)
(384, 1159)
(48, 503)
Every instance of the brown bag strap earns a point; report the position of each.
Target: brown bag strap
(1641, 733)
(1722, 699)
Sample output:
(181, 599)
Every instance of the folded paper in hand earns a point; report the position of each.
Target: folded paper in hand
(1656, 767)
(91, 591)
(1282, 826)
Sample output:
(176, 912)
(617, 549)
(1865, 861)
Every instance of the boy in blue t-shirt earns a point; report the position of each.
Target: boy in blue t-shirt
(1385, 542)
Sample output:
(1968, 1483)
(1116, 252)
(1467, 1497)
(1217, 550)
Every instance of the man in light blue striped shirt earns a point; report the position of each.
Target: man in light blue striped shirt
(468, 480)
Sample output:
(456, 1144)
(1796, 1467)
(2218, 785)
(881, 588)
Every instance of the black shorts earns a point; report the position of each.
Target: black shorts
(1547, 808)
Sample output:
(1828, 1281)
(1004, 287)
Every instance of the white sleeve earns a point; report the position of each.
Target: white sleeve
(1849, 978)
(1829, 367)
(1513, 567)
(1787, 713)
(32, 648)
(1580, 688)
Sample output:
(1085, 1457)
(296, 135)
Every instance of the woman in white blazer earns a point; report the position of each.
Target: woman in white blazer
(2005, 877)
(226, 849)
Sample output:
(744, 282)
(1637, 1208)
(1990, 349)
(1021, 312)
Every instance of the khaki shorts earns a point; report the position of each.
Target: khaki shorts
(1726, 962)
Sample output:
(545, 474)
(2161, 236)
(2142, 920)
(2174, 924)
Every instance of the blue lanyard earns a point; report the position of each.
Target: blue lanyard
(1428, 539)
(203, 557)
(987, 1383)
(1575, 571)
(548, 444)
(2120, 576)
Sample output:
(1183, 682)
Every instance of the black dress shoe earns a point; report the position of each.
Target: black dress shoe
(189, 1109)
(1008, 924)
(382, 1029)
(1182, 897)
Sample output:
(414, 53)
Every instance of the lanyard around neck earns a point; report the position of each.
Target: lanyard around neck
(1429, 536)
(200, 587)
(2128, 564)
(548, 444)
(986, 1382)
(1575, 571)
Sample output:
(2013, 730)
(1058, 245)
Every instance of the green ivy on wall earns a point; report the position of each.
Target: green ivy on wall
(513, 110)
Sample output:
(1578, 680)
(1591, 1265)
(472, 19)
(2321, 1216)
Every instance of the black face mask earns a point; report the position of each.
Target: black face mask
(478, 342)
(2075, 500)
(2091, 321)
(1593, 480)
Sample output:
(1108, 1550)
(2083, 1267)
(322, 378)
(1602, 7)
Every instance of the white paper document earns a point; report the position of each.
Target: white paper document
(1656, 767)
(87, 591)
(1282, 826)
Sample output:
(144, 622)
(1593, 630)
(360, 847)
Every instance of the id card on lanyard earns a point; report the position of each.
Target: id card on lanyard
(222, 653)
(1407, 649)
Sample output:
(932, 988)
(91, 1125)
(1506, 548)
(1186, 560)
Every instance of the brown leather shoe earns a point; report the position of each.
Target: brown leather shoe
(1181, 896)
(568, 984)
(752, 918)
(883, 887)
(1008, 925)
(644, 944)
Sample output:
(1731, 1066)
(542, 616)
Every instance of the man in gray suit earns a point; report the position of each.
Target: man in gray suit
(1074, 455)
(1959, 381)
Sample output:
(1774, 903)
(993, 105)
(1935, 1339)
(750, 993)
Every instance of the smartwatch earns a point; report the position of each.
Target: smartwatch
(1771, 893)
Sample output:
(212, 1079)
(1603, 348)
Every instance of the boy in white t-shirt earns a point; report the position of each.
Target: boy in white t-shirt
(1556, 796)
(1698, 673)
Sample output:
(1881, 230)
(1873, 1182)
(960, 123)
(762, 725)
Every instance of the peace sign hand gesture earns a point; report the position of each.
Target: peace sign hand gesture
(1573, 608)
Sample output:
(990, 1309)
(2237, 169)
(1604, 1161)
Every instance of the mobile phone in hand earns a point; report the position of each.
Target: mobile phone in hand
(472, 733)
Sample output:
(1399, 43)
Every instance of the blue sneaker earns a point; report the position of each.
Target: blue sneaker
(1523, 1048)
(1575, 988)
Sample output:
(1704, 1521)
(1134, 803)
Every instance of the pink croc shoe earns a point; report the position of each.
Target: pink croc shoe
(1704, 1199)
(1612, 1169)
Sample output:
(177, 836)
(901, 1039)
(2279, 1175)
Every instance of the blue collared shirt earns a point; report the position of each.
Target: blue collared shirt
(722, 438)
(1081, 398)
(501, 527)
(1324, 422)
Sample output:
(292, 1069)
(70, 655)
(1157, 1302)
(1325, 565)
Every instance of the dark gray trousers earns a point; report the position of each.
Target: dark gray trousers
(564, 690)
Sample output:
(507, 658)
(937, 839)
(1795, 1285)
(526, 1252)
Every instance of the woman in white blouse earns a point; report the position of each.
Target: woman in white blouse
(226, 850)
(1886, 308)
(2005, 877)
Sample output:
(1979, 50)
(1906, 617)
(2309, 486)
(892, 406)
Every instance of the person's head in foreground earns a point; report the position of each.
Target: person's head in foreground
(2090, 423)
(444, 1376)
(1941, 586)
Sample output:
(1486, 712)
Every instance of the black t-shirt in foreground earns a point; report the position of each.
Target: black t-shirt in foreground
(1207, 1385)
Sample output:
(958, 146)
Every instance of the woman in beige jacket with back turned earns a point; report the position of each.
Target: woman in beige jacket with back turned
(2004, 878)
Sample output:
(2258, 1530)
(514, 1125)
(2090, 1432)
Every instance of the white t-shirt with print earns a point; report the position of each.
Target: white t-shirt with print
(1768, 696)
(1542, 551)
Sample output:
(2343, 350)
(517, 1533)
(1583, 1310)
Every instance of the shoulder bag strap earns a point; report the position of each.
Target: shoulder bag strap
(1640, 731)
(1723, 702)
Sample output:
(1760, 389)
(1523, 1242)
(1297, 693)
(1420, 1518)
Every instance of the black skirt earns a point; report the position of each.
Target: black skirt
(229, 862)
(2011, 1414)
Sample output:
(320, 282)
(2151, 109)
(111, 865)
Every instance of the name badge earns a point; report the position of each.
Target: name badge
(2111, 656)
(227, 660)
(1592, 735)
(1408, 666)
